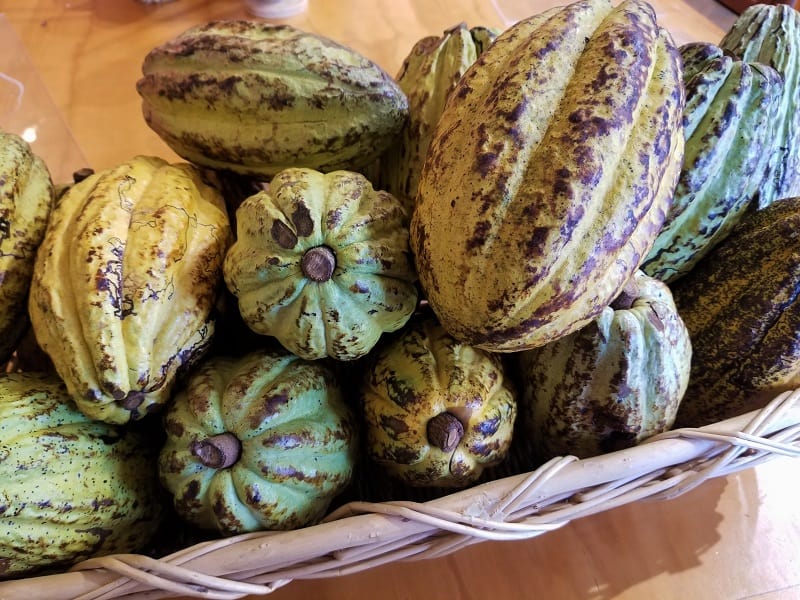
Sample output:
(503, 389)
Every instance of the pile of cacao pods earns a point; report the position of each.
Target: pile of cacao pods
(571, 234)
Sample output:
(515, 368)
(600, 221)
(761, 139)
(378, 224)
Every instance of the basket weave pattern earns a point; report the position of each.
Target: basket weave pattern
(362, 535)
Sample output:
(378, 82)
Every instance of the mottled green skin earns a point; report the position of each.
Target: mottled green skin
(26, 199)
(371, 289)
(298, 443)
(419, 375)
(256, 98)
(729, 123)
(71, 487)
(428, 75)
(613, 383)
(740, 305)
(770, 34)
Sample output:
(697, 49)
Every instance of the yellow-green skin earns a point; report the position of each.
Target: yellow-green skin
(550, 174)
(424, 373)
(370, 291)
(256, 98)
(71, 487)
(428, 75)
(125, 283)
(26, 199)
(610, 385)
(298, 443)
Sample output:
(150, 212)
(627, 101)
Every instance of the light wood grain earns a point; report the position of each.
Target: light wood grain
(733, 538)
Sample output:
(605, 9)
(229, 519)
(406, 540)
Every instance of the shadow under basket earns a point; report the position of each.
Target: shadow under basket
(360, 535)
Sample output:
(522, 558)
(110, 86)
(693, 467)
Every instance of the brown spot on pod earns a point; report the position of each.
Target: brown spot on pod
(283, 235)
(303, 223)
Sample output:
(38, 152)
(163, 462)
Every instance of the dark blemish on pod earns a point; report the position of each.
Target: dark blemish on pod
(283, 235)
(479, 235)
(303, 223)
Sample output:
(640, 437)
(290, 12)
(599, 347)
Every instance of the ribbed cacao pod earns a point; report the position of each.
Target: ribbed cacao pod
(321, 262)
(770, 34)
(437, 412)
(729, 124)
(256, 98)
(740, 305)
(125, 283)
(610, 385)
(26, 200)
(264, 441)
(428, 74)
(514, 250)
(72, 487)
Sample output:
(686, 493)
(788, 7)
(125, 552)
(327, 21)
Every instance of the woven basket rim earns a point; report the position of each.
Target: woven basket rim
(362, 535)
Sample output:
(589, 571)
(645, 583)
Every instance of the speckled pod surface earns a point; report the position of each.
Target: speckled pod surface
(549, 174)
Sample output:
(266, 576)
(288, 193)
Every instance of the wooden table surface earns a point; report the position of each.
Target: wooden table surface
(733, 538)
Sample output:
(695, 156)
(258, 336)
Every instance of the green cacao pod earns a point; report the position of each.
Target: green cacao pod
(770, 34)
(321, 262)
(72, 487)
(437, 411)
(264, 441)
(610, 385)
(26, 199)
(512, 250)
(256, 98)
(428, 74)
(731, 109)
(740, 305)
(125, 283)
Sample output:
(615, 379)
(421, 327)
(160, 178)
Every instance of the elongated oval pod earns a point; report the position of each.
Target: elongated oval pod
(550, 174)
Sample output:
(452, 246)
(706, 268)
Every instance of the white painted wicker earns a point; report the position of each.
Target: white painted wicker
(362, 535)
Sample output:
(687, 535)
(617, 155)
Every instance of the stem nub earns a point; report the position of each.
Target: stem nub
(318, 263)
(219, 451)
(445, 431)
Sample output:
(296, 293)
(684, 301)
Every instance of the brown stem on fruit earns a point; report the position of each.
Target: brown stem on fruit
(219, 451)
(445, 431)
(82, 174)
(627, 296)
(318, 263)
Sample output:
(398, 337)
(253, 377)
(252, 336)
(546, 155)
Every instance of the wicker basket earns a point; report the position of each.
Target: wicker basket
(362, 535)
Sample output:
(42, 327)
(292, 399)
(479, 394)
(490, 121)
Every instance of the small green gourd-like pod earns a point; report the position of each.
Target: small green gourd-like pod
(72, 488)
(612, 383)
(322, 263)
(264, 441)
(437, 412)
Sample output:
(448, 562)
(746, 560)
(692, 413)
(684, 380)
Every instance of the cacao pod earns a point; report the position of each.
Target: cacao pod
(613, 383)
(125, 283)
(26, 199)
(256, 98)
(770, 34)
(72, 487)
(321, 262)
(428, 74)
(264, 441)
(437, 412)
(549, 174)
(731, 109)
(740, 305)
